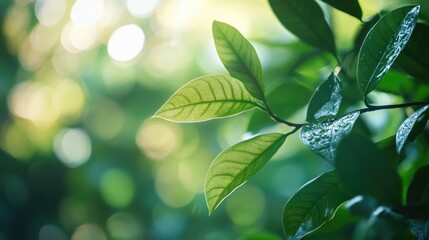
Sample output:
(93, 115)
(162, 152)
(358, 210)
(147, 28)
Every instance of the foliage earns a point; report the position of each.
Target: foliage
(362, 167)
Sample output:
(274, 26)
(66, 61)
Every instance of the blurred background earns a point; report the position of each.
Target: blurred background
(80, 155)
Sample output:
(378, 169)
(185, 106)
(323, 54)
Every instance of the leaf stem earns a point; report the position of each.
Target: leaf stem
(276, 118)
(371, 108)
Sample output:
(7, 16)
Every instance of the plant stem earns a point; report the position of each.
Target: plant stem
(277, 118)
(371, 108)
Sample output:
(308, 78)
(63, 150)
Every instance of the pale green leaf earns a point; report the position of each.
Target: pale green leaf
(382, 45)
(314, 204)
(235, 165)
(326, 100)
(239, 57)
(323, 138)
(411, 127)
(207, 98)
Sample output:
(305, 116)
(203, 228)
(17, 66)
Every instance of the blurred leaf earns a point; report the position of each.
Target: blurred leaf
(239, 58)
(207, 98)
(414, 59)
(260, 236)
(364, 169)
(258, 120)
(362, 206)
(396, 83)
(323, 138)
(388, 146)
(305, 19)
(351, 7)
(326, 100)
(235, 165)
(288, 98)
(383, 44)
(411, 127)
(315, 203)
(418, 186)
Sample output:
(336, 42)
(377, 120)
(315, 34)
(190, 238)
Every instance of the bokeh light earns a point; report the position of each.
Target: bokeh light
(124, 226)
(141, 8)
(88, 231)
(72, 147)
(86, 13)
(51, 232)
(50, 12)
(126, 42)
(117, 188)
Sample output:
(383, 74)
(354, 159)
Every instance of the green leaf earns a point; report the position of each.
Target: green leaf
(305, 19)
(235, 165)
(314, 204)
(411, 127)
(326, 100)
(351, 7)
(323, 138)
(239, 58)
(207, 98)
(414, 59)
(382, 45)
(288, 98)
(418, 186)
(365, 170)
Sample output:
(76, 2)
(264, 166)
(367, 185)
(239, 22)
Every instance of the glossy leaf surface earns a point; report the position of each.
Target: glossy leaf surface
(323, 138)
(207, 98)
(382, 45)
(239, 58)
(351, 7)
(365, 170)
(305, 19)
(326, 100)
(313, 205)
(235, 165)
(419, 186)
(411, 127)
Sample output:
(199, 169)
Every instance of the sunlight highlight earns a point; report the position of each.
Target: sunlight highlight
(72, 147)
(142, 8)
(126, 43)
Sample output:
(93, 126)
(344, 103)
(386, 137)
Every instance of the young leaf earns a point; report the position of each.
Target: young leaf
(305, 19)
(418, 186)
(314, 204)
(326, 100)
(323, 138)
(239, 58)
(207, 98)
(351, 7)
(235, 165)
(364, 169)
(411, 127)
(383, 44)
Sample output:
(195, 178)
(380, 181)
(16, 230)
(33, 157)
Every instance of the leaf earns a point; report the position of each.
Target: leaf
(411, 127)
(418, 186)
(365, 170)
(239, 57)
(351, 7)
(296, 97)
(235, 165)
(420, 228)
(314, 204)
(326, 100)
(323, 138)
(305, 19)
(383, 44)
(207, 98)
(414, 58)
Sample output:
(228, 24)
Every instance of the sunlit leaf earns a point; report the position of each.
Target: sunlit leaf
(414, 59)
(326, 100)
(383, 44)
(236, 164)
(351, 7)
(313, 205)
(411, 127)
(207, 98)
(239, 58)
(305, 19)
(418, 186)
(323, 138)
(365, 170)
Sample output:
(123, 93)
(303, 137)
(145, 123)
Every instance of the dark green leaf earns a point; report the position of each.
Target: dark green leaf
(351, 7)
(411, 127)
(383, 44)
(235, 165)
(313, 205)
(239, 58)
(323, 138)
(420, 228)
(414, 59)
(326, 100)
(260, 236)
(364, 169)
(418, 186)
(207, 98)
(305, 19)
